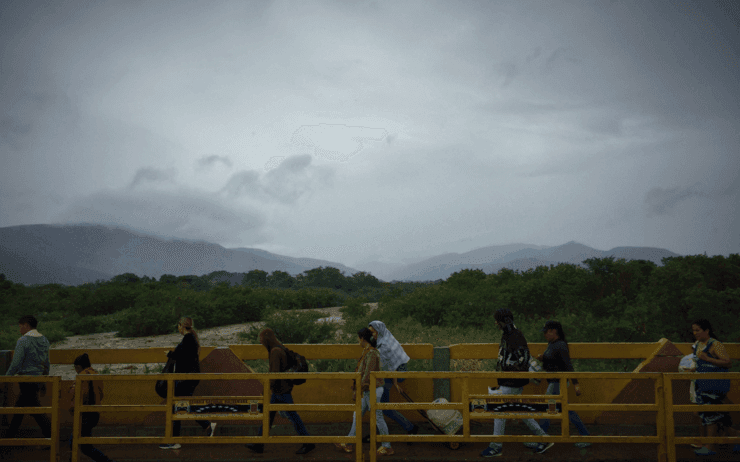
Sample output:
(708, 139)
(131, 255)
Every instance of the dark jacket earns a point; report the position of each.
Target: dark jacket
(186, 355)
(557, 359)
(278, 363)
(513, 356)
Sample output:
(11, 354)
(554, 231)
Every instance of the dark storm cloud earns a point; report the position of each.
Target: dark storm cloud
(210, 161)
(660, 201)
(152, 175)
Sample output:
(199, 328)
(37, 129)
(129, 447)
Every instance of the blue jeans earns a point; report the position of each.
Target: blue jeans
(379, 420)
(554, 389)
(290, 415)
(499, 425)
(395, 415)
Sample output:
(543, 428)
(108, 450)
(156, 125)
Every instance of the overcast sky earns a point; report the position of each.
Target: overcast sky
(376, 130)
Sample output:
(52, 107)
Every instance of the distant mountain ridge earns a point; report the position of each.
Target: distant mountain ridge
(518, 257)
(74, 254)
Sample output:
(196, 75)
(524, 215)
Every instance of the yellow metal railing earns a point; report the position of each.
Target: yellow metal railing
(52, 442)
(467, 398)
(170, 414)
(671, 408)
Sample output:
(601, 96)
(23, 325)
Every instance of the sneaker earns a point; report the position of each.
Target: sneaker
(491, 452)
(531, 445)
(306, 448)
(169, 446)
(542, 447)
(258, 447)
(384, 451)
(704, 452)
(413, 431)
(211, 429)
(582, 445)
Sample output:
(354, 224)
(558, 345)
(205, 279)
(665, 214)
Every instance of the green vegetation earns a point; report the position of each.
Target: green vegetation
(608, 300)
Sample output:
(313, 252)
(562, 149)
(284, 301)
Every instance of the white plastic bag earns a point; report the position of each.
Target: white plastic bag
(688, 363)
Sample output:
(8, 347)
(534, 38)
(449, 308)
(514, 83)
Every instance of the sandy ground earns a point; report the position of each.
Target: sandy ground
(216, 336)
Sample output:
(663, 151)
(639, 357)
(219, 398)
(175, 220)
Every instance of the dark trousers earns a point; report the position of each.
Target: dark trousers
(89, 421)
(29, 397)
(293, 416)
(186, 388)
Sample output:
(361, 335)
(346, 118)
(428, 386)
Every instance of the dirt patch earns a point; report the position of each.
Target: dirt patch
(215, 337)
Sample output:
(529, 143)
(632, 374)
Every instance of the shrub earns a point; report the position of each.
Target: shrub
(298, 327)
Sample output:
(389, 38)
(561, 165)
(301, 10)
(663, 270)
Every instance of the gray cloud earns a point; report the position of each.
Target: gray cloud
(274, 162)
(292, 179)
(152, 175)
(660, 201)
(337, 142)
(209, 161)
(183, 213)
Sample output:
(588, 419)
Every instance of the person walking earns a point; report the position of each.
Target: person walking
(556, 358)
(712, 357)
(513, 356)
(92, 394)
(187, 361)
(281, 390)
(393, 359)
(369, 362)
(31, 357)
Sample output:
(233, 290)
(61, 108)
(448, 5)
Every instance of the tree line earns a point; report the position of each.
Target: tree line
(604, 300)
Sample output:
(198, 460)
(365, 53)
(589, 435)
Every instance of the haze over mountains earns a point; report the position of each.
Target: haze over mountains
(74, 254)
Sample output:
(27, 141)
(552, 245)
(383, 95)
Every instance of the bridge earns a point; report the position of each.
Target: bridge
(644, 414)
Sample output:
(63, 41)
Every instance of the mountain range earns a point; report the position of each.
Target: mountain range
(74, 254)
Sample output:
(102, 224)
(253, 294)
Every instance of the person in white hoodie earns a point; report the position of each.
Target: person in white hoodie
(31, 357)
(393, 359)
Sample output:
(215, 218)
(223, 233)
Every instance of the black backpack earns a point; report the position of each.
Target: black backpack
(296, 363)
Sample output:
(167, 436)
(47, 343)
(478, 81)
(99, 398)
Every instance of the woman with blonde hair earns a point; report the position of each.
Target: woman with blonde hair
(186, 356)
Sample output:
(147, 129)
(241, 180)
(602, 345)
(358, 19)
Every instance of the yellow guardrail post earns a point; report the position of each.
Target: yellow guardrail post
(53, 440)
(358, 415)
(564, 418)
(55, 423)
(464, 389)
(659, 399)
(669, 420)
(266, 404)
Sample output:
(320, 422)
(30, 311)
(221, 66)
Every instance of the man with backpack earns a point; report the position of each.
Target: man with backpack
(282, 360)
(513, 356)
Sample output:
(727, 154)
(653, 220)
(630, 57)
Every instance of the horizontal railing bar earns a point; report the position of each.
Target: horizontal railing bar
(26, 410)
(514, 416)
(532, 375)
(613, 407)
(704, 407)
(414, 406)
(510, 397)
(30, 378)
(515, 439)
(26, 441)
(219, 398)
(311, 407)
(214, 440)
(236, 416)
(706, 439)
(124, 408)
